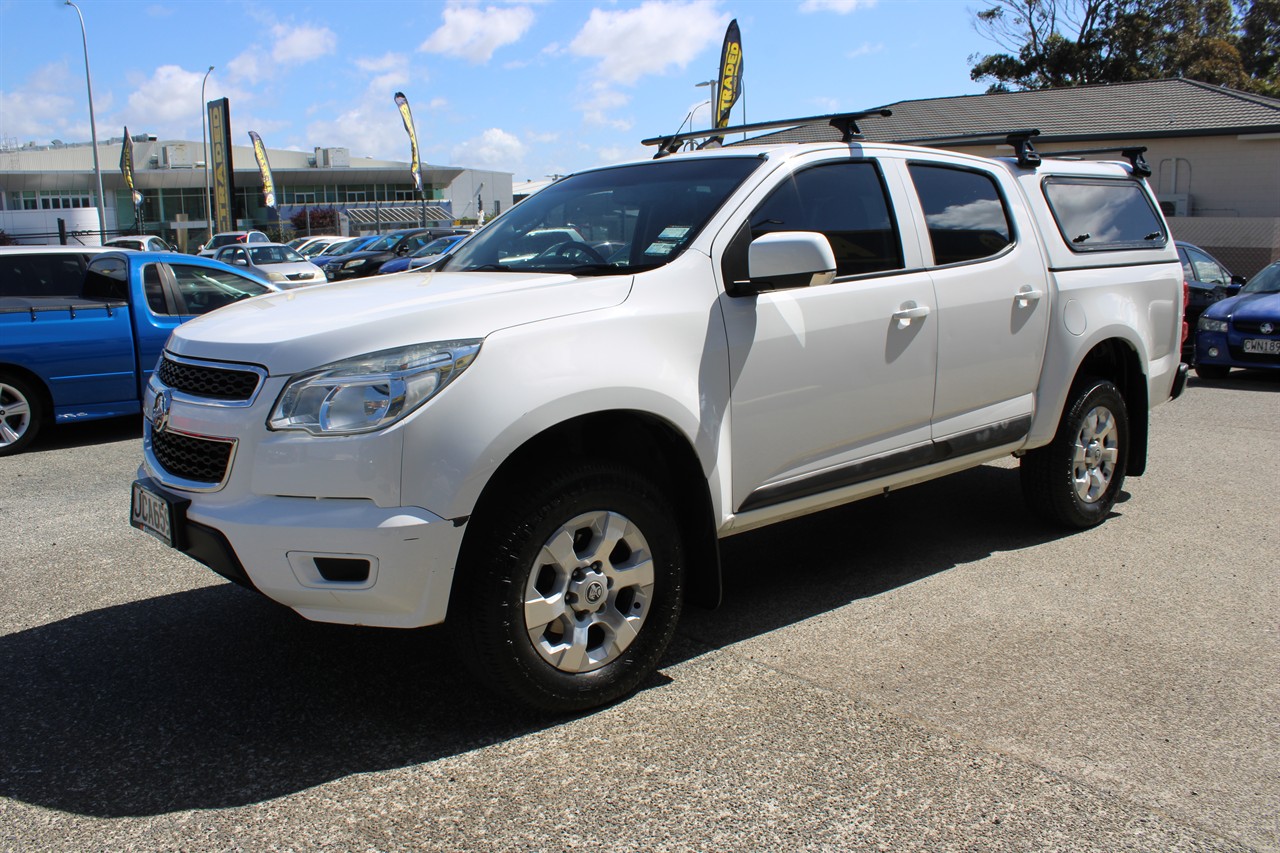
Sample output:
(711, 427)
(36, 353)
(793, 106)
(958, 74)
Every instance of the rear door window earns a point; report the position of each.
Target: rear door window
(29, 275)
(964, 211)
(1104, 214)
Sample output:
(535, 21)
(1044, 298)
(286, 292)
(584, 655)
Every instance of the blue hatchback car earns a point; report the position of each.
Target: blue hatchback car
(1242, 330)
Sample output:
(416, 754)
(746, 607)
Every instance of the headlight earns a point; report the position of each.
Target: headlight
(370, 392)
(352, 264)
(1209, 324)
(277, 276)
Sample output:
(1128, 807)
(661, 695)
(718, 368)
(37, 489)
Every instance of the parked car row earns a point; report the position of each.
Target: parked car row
(1208, 281)
(1242, 330)
(370, 259)
(276, 263)
(81, 328)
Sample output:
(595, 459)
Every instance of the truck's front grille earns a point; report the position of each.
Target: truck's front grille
(215, 383)
(1253, 327)
(202, 460)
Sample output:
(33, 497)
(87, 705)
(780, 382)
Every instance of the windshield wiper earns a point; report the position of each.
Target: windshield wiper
(487, 268)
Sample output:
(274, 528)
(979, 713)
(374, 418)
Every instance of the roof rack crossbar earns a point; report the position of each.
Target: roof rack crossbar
(846, 123)
(1133, 155)
(1020, 140)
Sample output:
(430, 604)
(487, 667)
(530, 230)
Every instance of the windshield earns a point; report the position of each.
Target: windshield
(345, 246)
(618, 220)
(1267, 281)
(382, 244)
(220, 240)
(260, 255)
(435, 247)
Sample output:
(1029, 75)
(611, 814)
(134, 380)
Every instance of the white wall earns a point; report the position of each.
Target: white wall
(82, 225)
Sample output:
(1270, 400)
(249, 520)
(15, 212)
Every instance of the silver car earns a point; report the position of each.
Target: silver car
(275, 262)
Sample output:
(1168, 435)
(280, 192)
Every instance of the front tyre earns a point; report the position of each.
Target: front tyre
(569, 587)
(1074, 481)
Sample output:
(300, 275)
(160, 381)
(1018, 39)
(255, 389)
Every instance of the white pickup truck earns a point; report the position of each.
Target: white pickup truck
(544, 449)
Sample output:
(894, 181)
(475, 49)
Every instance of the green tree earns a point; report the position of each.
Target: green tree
(1075, 42)
(1260, 45)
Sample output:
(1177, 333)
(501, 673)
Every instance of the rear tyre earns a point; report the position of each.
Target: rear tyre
(22, 413)
(1074, 481)
(1212, 371)
(569, 588)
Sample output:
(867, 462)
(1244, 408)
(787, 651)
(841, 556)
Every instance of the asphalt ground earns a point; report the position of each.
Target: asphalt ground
(933, 670)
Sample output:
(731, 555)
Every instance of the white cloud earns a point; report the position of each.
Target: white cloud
(653, 38)
(865, 49)
(371, 128)
(301, 43)
(41, 110)
(840, 7)
(169, 100)
(494, 149)
(603, 98)
(389, 72)
(291, 45)
(472, 33)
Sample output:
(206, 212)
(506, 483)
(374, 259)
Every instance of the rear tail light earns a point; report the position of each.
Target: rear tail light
(1186, 300)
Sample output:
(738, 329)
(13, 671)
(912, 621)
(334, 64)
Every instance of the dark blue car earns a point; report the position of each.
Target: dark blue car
(1242, 330)
(433, 251)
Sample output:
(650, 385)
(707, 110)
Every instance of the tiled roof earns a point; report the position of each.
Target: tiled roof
(1143, 109)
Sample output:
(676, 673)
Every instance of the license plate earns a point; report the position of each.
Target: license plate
(157, 514)
(1261, 347)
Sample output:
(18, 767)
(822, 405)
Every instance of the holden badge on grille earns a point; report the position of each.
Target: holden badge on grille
(160, 410)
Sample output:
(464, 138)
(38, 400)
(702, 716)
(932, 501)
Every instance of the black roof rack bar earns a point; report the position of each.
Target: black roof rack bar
(1028, 157)
(846, 123)
(1133, 155)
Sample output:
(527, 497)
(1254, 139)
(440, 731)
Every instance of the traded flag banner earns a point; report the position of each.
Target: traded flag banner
(416, 167)
(730, 74)
(268, 185)
(126, 168)
(224, 190)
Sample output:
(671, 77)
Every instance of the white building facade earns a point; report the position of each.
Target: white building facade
(48, 194)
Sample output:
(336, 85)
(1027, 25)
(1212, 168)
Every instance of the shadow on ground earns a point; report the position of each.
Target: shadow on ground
(215, 697)
(1241, 380)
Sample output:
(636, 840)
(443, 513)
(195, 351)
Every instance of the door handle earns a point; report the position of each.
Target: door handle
(1028, 294)
(909, 311)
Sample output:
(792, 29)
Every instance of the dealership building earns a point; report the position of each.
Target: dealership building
(48, 193)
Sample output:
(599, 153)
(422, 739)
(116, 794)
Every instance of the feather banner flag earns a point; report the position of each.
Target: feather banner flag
(416, 167)
(264, 167)
(730, 78)
(126, 168)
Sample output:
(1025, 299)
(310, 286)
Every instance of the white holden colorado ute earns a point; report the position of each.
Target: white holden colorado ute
(542, 442)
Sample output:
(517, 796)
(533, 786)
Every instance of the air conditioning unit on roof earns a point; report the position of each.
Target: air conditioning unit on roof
(1175, 204)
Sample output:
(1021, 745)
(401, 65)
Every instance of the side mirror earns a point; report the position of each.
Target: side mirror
(1239, 279)
(1234, 287)
(782, 260)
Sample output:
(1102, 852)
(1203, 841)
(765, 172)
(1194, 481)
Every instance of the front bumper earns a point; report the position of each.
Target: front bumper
(284, 547)
(318, 525)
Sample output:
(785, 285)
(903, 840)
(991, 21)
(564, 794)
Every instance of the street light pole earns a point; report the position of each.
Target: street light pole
(93, 127)
(204, 142)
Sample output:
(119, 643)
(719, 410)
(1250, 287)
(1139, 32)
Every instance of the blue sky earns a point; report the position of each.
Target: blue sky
(532, 88)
